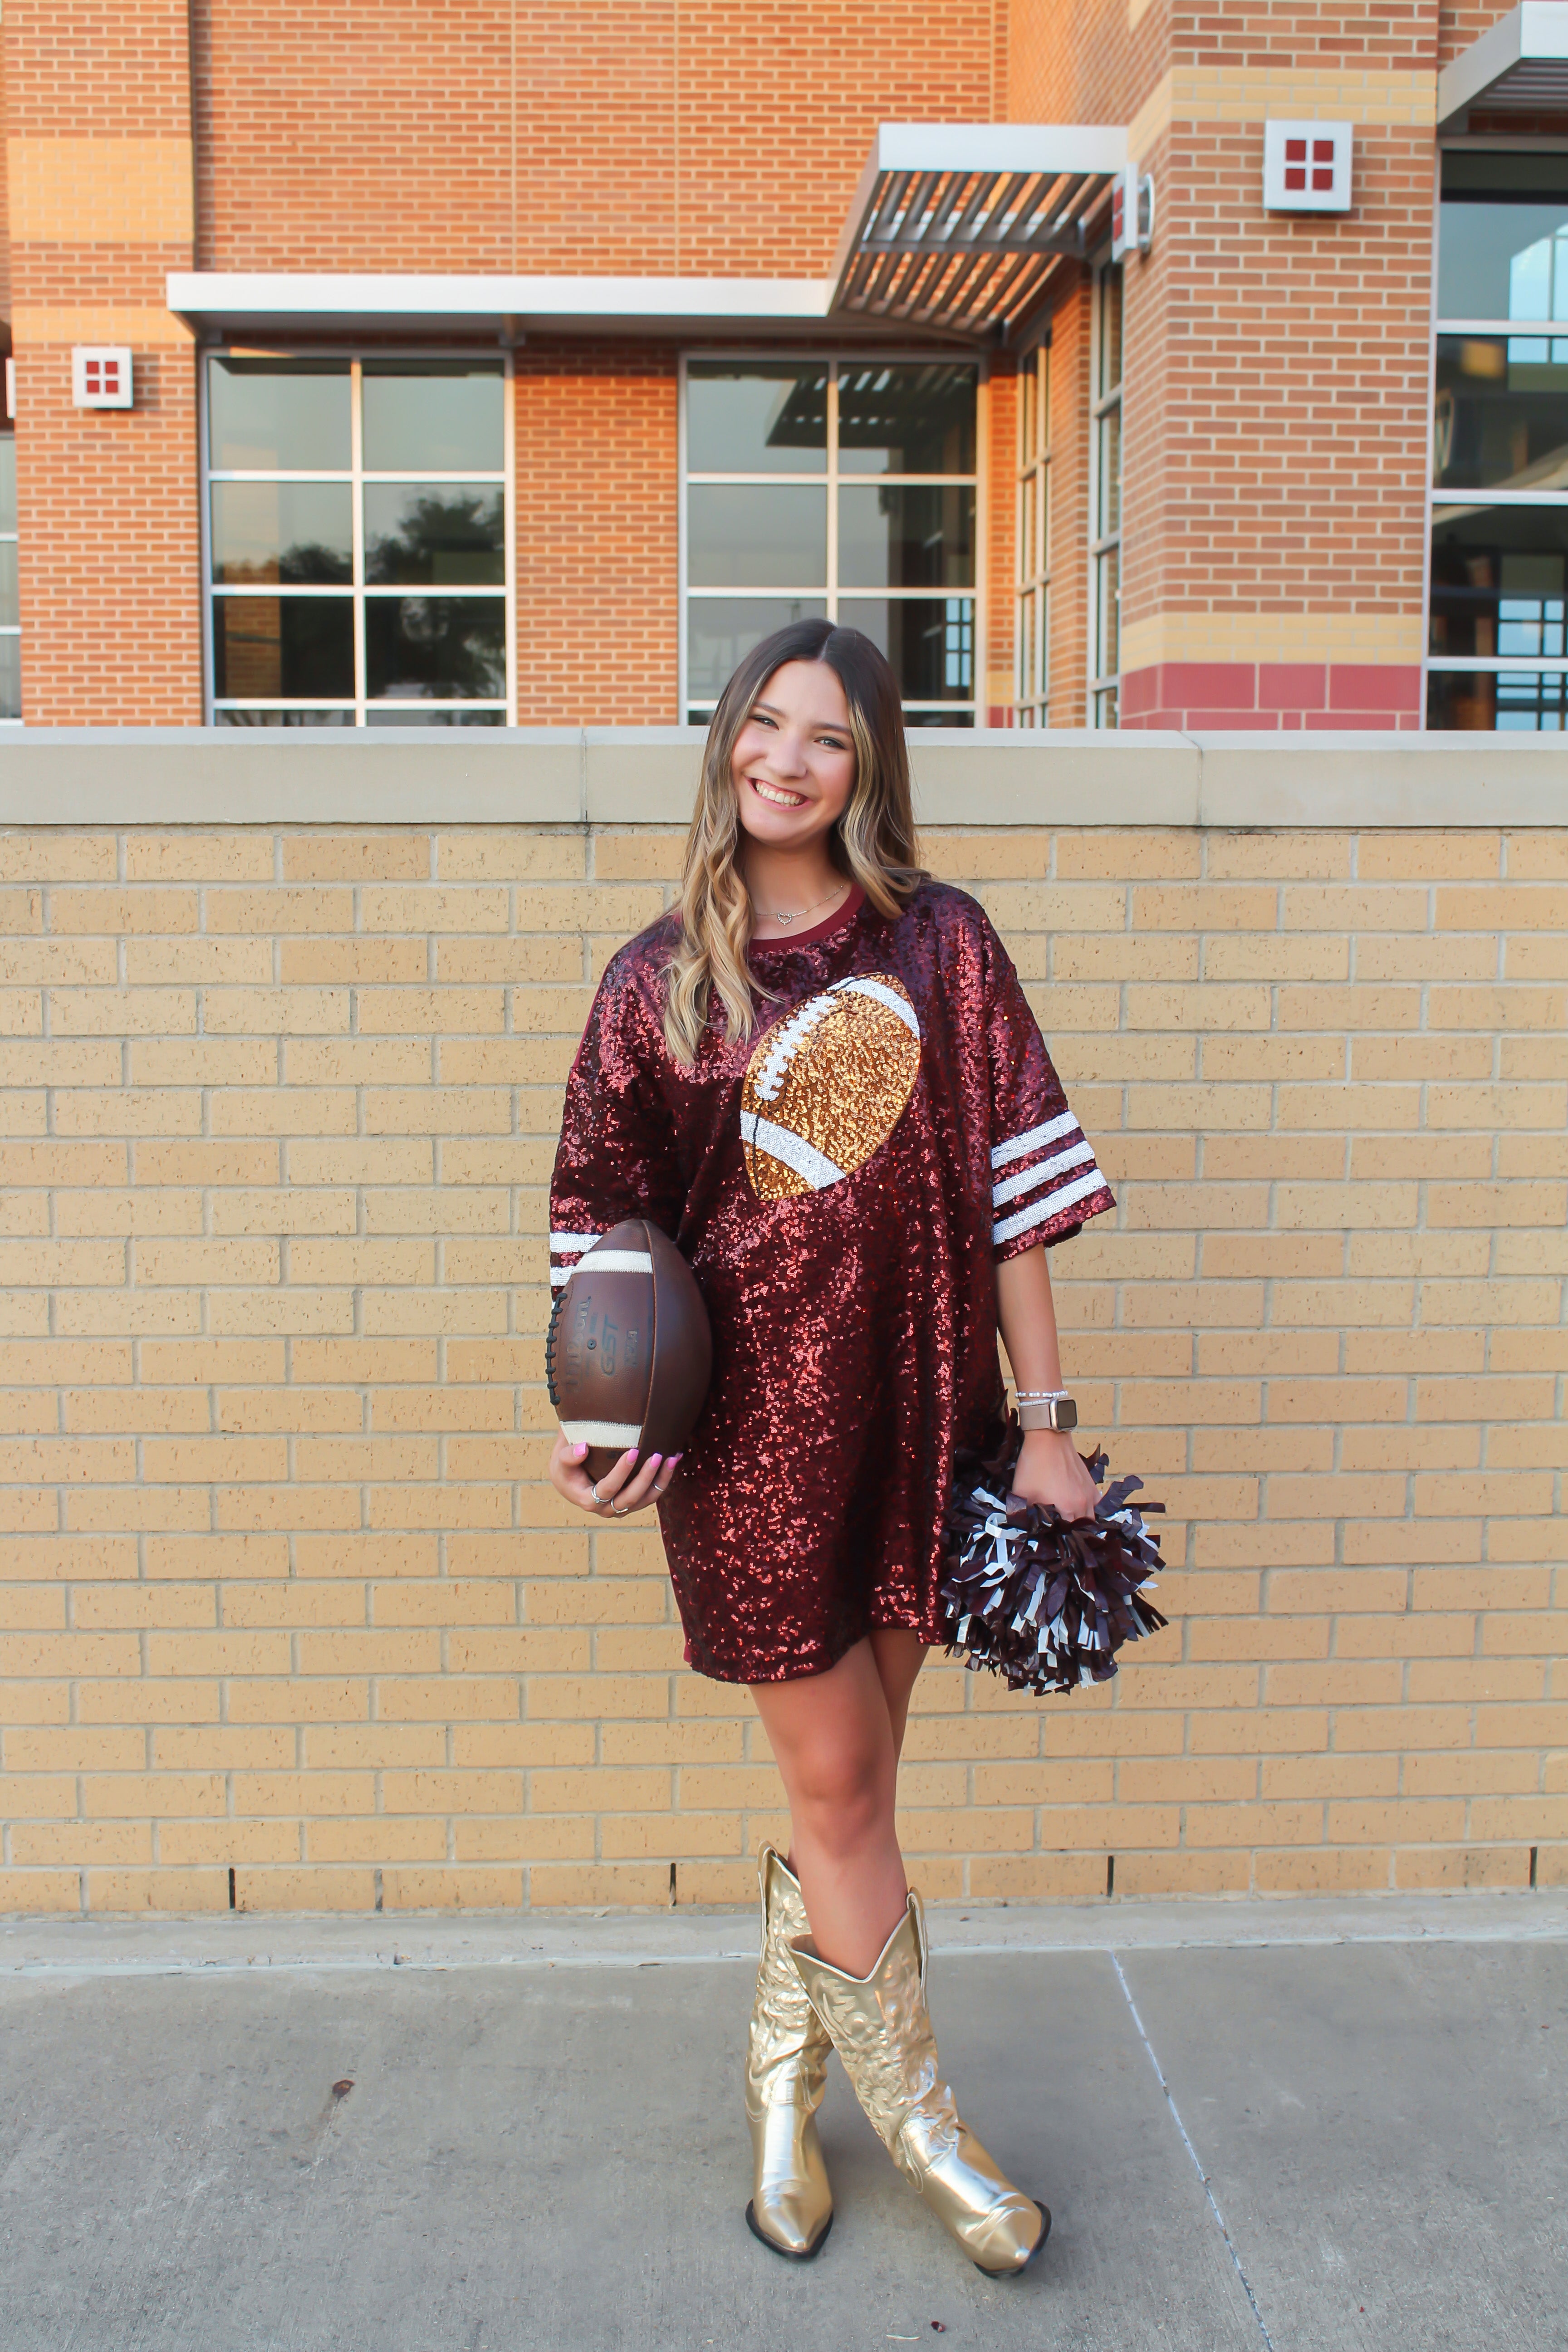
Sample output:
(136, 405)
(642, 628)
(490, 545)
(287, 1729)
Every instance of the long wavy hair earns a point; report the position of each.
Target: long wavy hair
(873, 843)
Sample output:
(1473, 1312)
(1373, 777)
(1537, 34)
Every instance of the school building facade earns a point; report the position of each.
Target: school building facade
(1114, 363)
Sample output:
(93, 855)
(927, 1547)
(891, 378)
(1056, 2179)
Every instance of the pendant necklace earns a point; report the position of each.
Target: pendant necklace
(804, 910)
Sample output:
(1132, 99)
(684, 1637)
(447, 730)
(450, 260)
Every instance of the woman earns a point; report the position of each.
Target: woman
(819, 1074)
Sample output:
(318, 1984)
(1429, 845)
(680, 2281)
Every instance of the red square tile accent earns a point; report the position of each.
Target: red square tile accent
(1221, 685)
(1292, 686)
(1357, 685)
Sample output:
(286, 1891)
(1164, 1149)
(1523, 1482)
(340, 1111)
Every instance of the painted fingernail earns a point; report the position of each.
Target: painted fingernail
(578, 1451)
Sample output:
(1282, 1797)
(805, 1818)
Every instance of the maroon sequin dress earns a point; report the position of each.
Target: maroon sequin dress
(842, 1187)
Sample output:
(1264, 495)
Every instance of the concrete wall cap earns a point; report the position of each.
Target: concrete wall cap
(627, 775)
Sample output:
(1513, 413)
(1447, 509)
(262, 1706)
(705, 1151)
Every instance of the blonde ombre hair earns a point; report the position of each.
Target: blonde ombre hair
(872, 844)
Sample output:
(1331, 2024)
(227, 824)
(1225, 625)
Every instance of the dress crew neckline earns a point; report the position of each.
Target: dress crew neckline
(834, 922)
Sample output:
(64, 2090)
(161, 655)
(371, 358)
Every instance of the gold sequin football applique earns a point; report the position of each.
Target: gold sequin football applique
(827, 1086)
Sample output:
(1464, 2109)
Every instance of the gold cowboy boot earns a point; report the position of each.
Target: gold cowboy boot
(882, 2033)
(787, 2073)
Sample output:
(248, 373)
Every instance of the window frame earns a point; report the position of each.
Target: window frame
(1456, 494)
(359, 589)
(13, 539)
(967, 714)
(1104, 686)
(1032, 564)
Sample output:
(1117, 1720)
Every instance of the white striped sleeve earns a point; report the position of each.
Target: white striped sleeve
(1050, 1167)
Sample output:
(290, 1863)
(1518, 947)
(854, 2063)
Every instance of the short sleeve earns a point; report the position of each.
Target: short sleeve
(616, 1155)
(1045, 1182)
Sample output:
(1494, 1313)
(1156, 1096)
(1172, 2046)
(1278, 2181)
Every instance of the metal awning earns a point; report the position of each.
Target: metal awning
(1519, 67)
(954, 229)
(957, 225)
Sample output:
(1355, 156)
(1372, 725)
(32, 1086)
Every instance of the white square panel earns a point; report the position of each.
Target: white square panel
(1307, 167)
(100, 375)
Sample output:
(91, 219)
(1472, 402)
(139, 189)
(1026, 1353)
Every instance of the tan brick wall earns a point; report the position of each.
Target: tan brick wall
(282, 1591)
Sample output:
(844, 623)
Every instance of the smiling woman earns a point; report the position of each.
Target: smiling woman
(810, 1076)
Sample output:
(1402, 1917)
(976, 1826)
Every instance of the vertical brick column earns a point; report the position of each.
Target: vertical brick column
(99, 182)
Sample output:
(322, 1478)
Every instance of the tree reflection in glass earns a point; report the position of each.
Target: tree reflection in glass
(434, 534)
(435, 648)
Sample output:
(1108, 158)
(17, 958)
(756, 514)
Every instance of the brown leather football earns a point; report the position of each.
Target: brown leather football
(629, 1354)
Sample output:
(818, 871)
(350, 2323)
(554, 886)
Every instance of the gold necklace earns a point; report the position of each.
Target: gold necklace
(803, 910)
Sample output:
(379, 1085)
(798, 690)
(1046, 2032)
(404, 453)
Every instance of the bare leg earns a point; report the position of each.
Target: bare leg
(900, 1655)
(833, 1737)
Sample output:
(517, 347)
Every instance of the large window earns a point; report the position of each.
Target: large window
(357, 542)
(1496, 651)
(1031, 657)
(10, 607)
(844, 488)
(1105, 500)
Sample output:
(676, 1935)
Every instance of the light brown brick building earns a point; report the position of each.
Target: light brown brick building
(521, 363)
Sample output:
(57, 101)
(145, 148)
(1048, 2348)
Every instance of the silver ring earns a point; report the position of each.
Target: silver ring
(618, 1510)
(598, 1498)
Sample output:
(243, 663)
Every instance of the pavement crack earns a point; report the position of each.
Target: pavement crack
(1192, 2151)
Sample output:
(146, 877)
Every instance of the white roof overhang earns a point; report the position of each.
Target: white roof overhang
(957, 225)
(954, 229)
(1520, 66)
(251, 301)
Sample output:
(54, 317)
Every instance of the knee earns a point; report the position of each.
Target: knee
(844, 1796)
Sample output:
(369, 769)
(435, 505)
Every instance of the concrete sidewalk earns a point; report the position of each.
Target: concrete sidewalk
(1296, 2125)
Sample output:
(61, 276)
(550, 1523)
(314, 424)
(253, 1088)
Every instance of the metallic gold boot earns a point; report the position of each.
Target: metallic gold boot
(787, 2073)
(881, 2030)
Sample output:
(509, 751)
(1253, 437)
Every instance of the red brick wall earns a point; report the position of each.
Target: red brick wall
(597, 495)
(1276, 402)
(106, 499)
(643, 136)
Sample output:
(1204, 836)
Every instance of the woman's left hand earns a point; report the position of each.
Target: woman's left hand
(1050, 1469)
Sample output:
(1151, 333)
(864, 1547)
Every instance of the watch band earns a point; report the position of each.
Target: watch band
(1059, 1412)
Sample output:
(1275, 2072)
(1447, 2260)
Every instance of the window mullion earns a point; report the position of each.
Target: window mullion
(356, 463)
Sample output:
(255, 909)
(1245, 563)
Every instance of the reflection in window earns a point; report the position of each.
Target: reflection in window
(10, 600)
(1503, 236)
(808, 482)
(1499, 592)
(337, 539)
(1031, 691)
(1105, 525)
(442, 535)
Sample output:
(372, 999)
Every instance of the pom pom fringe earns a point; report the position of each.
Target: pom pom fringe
(1044, 1600)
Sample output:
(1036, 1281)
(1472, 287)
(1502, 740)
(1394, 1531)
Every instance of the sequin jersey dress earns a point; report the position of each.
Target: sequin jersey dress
(842, 1186)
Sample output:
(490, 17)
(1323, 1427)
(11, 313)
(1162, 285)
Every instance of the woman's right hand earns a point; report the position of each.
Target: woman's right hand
(619, 1492)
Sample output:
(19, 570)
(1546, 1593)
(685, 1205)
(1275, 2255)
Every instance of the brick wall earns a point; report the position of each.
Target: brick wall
(98, 126)
(645, 136)
(282, 1592)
